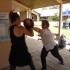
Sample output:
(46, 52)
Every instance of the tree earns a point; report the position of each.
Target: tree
(54, 18)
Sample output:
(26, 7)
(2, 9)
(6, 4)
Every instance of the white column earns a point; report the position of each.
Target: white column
(29, 14)
(38, 17)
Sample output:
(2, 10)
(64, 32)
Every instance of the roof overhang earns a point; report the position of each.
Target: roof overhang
(21, 5)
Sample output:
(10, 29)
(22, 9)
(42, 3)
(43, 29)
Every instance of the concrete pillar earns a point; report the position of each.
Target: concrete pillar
(5, 7)
(29, 14)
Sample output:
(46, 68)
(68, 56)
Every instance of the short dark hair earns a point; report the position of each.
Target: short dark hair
(26, 23)
(13, 16)
(45, 22)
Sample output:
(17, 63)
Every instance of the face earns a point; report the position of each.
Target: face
(44, 26)
(18, 21)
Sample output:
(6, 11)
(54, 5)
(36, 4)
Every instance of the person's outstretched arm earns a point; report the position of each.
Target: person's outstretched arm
(37, 29)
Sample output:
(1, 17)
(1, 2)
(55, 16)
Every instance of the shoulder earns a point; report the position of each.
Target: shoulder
(20, 27)
(45, 30)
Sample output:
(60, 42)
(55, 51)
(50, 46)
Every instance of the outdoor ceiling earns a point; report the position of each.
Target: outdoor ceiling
(33, 4)
(37, 3)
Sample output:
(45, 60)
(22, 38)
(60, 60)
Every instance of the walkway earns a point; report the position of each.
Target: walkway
(35, 46)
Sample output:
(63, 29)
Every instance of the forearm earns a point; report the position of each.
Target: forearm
(29, 32)
(37, 29)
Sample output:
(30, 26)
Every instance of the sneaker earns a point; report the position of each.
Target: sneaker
(62, 63)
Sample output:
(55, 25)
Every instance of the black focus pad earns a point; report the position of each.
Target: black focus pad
(28, 23)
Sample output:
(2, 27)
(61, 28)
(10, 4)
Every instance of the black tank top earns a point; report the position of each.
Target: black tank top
(19, 54)
(17, 42)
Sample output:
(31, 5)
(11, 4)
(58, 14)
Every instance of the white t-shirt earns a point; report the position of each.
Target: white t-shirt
(48, 39)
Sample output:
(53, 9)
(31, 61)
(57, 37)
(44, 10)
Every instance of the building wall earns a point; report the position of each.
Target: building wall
(34, 17)
(65, 17)
(4, 53)
(23, 15)
(5, 6)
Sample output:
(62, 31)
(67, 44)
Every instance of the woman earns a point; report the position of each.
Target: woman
(19, 55)
(49, 45)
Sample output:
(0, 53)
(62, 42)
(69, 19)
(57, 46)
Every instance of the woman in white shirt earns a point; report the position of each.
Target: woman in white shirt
(49, 45)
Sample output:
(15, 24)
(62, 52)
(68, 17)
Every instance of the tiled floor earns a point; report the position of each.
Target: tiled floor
(35, 46)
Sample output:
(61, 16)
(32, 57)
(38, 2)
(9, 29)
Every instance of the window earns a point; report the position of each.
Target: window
(4, 25)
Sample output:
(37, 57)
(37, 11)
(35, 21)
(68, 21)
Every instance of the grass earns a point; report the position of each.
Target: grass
(65, 31)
